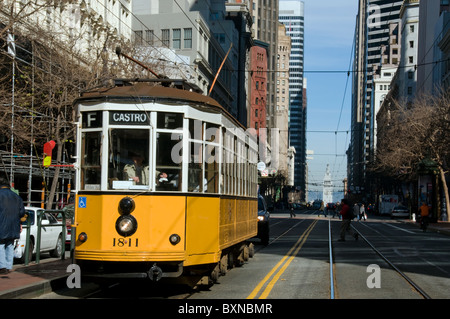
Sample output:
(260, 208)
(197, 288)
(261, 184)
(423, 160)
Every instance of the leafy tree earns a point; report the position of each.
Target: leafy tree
(408, 133)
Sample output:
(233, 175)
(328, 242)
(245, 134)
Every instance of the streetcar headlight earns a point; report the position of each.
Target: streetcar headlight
(126, 206)
(174, 239)
(126, 225)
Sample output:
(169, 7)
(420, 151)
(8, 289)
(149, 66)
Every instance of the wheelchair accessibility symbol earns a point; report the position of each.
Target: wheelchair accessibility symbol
(81, 202)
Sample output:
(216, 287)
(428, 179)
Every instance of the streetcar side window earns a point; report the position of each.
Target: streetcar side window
(211, 170)
(204, 152)
(234, 166)
(196, 183)
(212, 148)
(168, 161)
(90, 160)
(128, 162)
(226, 161)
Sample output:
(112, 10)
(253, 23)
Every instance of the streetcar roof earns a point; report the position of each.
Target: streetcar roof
(145, 91)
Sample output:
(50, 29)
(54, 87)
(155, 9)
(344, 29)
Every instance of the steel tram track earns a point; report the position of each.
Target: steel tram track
(330, 251)
(416, 287)
(332, 273)
(409, 280)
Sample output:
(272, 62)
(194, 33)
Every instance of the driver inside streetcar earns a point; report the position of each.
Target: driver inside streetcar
(137, 172)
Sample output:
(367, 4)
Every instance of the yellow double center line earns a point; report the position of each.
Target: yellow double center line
(285, 261)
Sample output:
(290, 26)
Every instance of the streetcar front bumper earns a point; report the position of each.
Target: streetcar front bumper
(130, 270)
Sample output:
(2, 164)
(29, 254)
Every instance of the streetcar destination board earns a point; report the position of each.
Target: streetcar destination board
(129, 118)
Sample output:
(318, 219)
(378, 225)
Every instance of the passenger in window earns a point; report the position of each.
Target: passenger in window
(197, 188)
(162, 177)
(137, 172)
(168, 180)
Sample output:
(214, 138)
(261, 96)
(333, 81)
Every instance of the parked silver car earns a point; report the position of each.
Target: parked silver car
(51, 235)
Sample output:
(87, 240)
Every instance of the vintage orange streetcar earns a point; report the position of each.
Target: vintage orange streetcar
(166, 183)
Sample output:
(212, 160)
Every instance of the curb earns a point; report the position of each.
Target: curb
(431, 227)
(36, 289)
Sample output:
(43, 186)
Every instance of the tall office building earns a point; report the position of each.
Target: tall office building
(372, 34)
(292, 16)
(282, 112)
(265, 30)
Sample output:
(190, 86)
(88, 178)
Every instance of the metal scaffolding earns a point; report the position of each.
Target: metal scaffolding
(32, 179)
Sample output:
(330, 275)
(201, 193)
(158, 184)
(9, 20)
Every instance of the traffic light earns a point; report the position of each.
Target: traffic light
(48, 149)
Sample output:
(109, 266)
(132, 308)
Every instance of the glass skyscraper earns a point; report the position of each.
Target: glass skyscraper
(291, 14)
(373, 26)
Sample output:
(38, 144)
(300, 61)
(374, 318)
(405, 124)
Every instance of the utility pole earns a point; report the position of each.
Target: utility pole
(12, 53)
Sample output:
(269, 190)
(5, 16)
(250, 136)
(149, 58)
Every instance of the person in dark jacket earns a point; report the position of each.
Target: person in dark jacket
(347, 216)
(11, 212)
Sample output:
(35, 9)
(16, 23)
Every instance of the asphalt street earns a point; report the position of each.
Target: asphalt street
(388, 261)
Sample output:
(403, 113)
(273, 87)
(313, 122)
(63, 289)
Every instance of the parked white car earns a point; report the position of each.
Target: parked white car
(51, 235)
(400, 211)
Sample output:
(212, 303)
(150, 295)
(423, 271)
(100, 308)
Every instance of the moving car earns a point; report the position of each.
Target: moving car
(263, 221)
(51, 235)
(399, 211)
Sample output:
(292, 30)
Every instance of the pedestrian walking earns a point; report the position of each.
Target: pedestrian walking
(291, 209)
(362, 212)
(322, 210)
(338, 210)
(11, 212)
(355, 211)
(424, 211)
(347, 216)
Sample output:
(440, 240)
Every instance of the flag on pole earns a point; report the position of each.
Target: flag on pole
(11, 45)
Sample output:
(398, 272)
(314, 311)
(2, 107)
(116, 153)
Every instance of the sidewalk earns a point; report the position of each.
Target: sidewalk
(35, 279)
(439, 227)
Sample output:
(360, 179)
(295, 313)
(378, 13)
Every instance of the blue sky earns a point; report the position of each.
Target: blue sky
(329, 30)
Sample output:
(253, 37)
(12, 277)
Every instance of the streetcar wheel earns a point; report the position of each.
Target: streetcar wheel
(214, 276)
(245, 254)
(223, 265)
(251, 250)
(230, 259)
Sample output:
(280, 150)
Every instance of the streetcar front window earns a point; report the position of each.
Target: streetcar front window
(90, 161)
(128, 163)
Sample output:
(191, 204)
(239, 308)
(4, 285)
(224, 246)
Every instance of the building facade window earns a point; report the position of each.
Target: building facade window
(165, 37)
(188, 38)
(149, 37)
(176, 38)
(138, 37)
